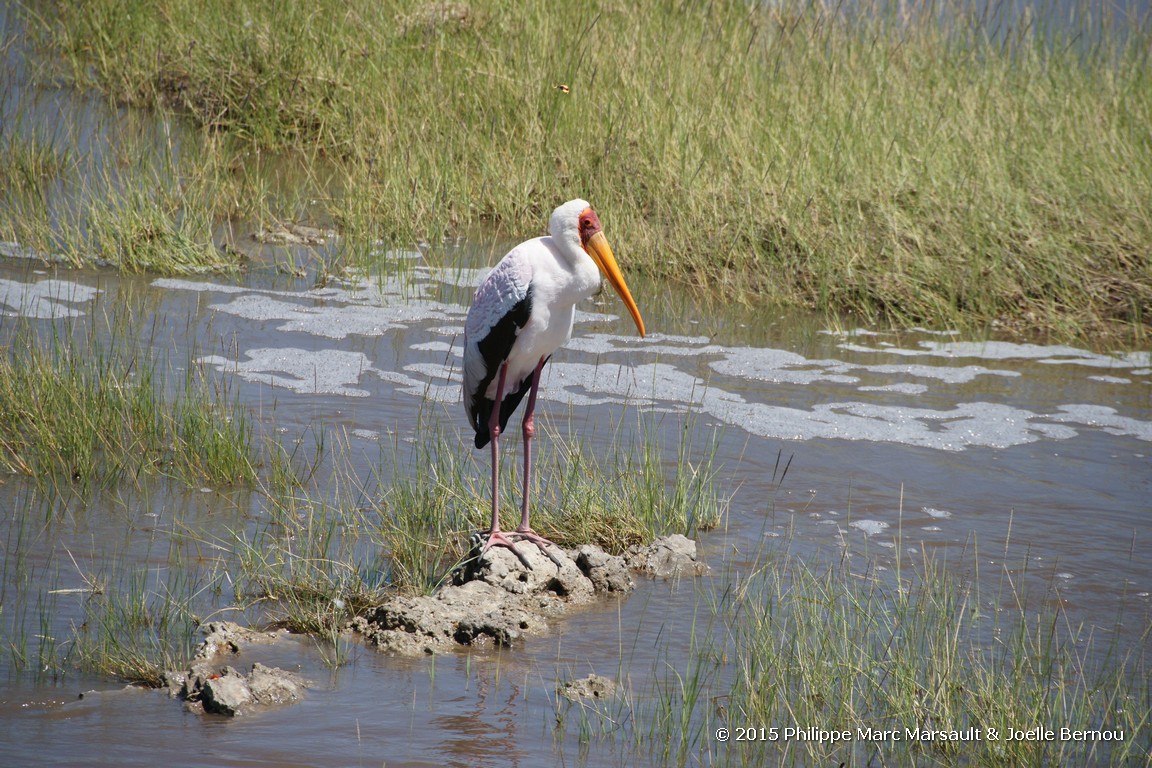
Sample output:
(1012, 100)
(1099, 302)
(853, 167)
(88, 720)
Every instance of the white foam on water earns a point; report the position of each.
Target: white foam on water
(652, 344)
(869, 527)
(421, 388)
(733, 396)
(946, 374)
(1057, 354)
(201, 286)
(434, 346)
(903, 389)
(968, 424)
(45, 299)
(311, 372)
(577, 383)
(779, 366)
(329, 321)
(1105, 419)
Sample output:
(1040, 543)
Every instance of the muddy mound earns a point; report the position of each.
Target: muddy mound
(212, 684)
(497, 600)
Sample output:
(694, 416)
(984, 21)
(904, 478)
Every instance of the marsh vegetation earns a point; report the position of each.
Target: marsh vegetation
(844, 663)
(936, 165)
(959, 164)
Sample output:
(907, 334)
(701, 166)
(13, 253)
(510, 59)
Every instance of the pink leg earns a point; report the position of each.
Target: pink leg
(529, 429)
(524, 531)
(494, 433)
(495, 537)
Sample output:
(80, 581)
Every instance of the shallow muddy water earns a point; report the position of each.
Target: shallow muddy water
(1030, 460)
(1034, 456)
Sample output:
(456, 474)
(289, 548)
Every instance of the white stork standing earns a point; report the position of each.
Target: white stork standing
(521, 314)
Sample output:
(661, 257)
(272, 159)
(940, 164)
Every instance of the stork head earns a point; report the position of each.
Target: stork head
(577, 217)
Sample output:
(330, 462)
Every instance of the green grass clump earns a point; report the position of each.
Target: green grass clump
(136, 631)
(30, 165)
(828, 649)
(139, 211)
(629, 496)
(918, 162)
(140, 231)
(83, 413)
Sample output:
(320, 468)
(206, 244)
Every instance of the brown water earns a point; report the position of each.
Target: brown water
(1036, 456)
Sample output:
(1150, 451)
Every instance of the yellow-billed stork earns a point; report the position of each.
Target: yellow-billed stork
(521, 314)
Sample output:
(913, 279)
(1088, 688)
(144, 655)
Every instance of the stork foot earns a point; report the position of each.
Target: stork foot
(498, 539)
(547, 547)
(509, 539)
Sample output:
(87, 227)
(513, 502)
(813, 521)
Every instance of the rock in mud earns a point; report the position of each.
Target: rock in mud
(606, 572)
(591, 687)
(210, 684)
(228, 637)
(225, 693)
(669, 557)
(232, 693)
(493, 600)
(272, 686)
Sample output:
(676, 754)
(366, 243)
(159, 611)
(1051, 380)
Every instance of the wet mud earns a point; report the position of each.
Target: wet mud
(497, 599)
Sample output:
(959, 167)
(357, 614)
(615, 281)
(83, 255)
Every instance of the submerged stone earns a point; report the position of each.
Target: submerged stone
(591, 687)
(226, 693)
(233, 694)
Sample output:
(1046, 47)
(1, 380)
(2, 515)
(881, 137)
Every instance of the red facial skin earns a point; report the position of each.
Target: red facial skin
(589, 225)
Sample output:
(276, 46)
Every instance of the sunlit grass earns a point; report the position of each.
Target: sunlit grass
(631, 494)
(920, 162)
(82, 412)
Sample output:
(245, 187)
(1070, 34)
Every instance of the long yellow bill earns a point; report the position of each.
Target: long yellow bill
(601, 253)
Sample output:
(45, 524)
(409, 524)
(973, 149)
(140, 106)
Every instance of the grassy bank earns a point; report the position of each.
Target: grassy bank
(104, 193)
(987, 170)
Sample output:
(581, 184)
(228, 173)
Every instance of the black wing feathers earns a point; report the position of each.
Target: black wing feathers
(495, 349)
